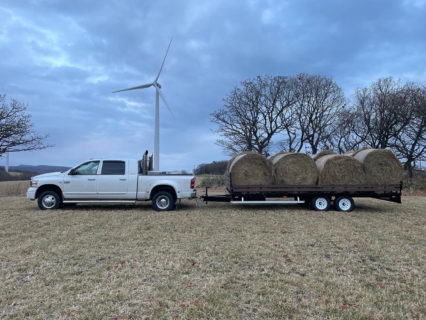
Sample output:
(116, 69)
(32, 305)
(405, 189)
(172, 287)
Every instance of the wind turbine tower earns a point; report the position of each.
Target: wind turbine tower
(7, 162)
(158, 95)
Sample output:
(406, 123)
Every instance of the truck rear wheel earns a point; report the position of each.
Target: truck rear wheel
(163, 201)
(321, 203)
(344, 204)
(49, 200)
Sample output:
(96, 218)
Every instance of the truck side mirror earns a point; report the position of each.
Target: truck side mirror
(72, 172)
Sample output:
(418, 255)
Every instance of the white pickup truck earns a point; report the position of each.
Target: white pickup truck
(111, 181)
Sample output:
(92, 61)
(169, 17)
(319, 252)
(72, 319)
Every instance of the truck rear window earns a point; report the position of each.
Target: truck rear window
(114, 167)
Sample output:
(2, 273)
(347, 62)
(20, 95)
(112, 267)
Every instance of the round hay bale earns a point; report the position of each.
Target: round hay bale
(250, 169)
(322, 153)
(236, 155)
(294, 168)
(339, 169)
(349, 153)
(276, 155)
(381, 166)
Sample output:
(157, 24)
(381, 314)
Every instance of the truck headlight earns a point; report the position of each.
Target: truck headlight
(34, 183)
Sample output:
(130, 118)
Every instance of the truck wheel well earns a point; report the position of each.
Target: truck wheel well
(166, 188)
(51, 187)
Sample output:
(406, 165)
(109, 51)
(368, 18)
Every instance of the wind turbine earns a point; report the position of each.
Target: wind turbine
(7, 162)
(158, 94)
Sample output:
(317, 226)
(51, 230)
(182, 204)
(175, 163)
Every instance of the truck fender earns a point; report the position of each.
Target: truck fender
(164, 185)
(52, 187)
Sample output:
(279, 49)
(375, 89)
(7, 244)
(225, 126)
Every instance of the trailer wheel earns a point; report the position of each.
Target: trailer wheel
(163, 201)
(344, 204)
(321, 203)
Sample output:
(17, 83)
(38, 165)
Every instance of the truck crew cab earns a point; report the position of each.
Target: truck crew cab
(111, 181)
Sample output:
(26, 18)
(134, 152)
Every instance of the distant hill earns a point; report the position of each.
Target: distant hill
(13, 175)
(36, 169)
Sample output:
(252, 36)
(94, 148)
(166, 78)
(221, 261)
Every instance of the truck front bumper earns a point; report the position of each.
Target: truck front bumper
(31, 193)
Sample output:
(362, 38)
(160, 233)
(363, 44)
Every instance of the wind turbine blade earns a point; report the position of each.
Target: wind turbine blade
(164, 100)
(161, 68)
(135, 88)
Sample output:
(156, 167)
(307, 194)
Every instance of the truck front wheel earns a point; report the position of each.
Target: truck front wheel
(163, 201)
(49, 200)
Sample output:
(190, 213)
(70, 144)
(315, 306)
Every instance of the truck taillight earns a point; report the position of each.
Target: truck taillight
(192, 183)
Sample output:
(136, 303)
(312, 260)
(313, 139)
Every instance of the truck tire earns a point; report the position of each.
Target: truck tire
(344, 204)
(49, 200)
(163, 201)
(321, 203)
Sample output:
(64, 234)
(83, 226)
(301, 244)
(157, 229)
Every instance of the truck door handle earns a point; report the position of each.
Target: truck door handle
(91, 179)
(123, 179)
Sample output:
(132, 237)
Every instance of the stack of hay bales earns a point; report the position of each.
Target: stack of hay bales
(250, 168)
(339, 169)
(365, 166)
(293, 168)
(380, 166)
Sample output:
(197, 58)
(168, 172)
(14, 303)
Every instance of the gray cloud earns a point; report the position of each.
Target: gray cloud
(65, 58)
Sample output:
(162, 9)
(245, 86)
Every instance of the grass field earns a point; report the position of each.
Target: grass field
(213, 262)
(13, 188)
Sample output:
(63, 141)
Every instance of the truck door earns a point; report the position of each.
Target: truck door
(81, 182)
(112, 182)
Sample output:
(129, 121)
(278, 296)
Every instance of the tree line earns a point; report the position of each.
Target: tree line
(310, 113)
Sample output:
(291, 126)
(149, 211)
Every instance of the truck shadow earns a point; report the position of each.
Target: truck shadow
(107, 207)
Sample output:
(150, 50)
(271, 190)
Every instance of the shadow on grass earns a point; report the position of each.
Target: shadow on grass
(107, 207)
(142, 206)
(361, 206)
(184, 207)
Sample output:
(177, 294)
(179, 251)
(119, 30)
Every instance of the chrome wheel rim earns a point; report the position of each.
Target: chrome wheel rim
(49, 201)
(321, 203)
(344, 204)
(162, 202)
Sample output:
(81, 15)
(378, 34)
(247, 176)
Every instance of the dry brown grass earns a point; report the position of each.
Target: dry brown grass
(214, 262)
(13, 188)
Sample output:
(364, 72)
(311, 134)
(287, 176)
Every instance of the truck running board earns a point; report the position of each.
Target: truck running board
(99, 201)
(242, 201)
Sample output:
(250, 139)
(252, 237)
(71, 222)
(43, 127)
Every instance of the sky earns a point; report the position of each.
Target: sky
(63, 59)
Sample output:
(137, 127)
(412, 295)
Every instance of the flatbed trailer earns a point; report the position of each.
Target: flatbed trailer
(317, 197)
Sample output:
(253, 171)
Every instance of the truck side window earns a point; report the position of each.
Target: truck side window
(88, 168)
(114, 167)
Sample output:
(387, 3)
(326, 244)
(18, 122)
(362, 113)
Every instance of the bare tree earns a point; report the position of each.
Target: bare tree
(410, 142)
(252, 114)
(347, 134)
(382, 112)
(319, 101)
(16, 128)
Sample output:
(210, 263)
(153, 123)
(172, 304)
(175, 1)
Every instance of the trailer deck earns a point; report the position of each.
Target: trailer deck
(319, 196)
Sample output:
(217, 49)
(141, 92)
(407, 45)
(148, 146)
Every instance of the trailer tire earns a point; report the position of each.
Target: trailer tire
(344, 204)
(163, 201)
(321, 203)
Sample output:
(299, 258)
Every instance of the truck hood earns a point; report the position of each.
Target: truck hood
(47, 175)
